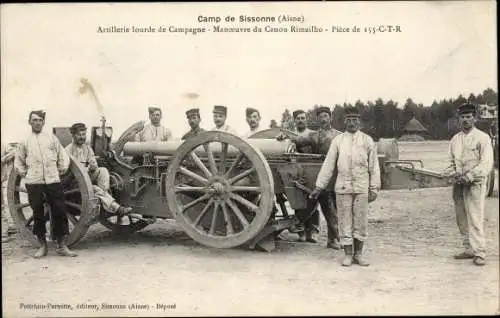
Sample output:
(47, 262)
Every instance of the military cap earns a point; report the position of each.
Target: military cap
(250, 111)
(192, 111)
(77, 127)
(220, 109)
(153, 109)
(323, 109)
(297, 113)
(351, 112)
(39, 113)
(466, 108)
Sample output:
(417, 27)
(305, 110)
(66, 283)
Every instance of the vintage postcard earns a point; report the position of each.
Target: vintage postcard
(249, 158)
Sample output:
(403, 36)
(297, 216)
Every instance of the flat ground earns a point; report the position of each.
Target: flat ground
(413, 235)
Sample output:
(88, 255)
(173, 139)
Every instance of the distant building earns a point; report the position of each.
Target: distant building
(488, 111)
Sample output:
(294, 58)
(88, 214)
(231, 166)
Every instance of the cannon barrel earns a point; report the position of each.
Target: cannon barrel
(268, 147)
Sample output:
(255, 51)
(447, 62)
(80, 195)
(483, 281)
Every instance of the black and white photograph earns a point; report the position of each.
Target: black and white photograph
(249, 159)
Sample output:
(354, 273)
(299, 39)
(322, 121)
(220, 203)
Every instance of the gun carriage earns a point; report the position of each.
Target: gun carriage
(221, 189)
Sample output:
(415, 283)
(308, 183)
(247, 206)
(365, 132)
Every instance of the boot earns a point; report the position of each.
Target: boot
(63, 250)
(302, 236)
(42, 251)
(358, 253)
(311, 237)
(334, 244)
(347, 261)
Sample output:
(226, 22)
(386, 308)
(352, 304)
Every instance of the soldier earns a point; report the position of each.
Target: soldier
(220, 114)
(7, 156)
(471, 160)
(154, 131)
(41, 160)
(311, 225)
(320, 142)
(358, 182)
(253, 120)
(99, 176)
(193, 117)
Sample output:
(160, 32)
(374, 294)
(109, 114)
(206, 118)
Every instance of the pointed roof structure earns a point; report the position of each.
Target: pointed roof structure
(414, 126)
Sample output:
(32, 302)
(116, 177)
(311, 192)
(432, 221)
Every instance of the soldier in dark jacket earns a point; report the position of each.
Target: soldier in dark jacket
(194, 119)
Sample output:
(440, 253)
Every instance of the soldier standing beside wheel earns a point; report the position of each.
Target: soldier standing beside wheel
(220, 115)
(320, 142)
(194, 119)
(358, 182)
(41, 160)
(99, 176)
(471, 160)
(6, 220)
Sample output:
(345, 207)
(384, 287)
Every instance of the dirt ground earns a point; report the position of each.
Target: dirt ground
(413, 235)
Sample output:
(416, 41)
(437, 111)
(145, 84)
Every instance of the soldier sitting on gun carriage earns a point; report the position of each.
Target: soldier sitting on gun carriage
(220, 115)
(253, 120)
(99, 176)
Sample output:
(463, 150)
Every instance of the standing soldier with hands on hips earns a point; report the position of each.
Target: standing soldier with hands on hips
(354, 155)
(471, 160)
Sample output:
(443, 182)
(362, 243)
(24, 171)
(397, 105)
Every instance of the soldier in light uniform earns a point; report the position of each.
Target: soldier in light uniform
(8, 227)
(154, 131)
(358, 181)
(471, 160)
(40, 160)
(194, 119)
(320, 142)
(312, 223)
(253, 120)
(220, 115)
(83, 153)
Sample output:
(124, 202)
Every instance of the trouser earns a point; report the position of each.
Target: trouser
(100, 181)
(328, 205)
(312, 224)
(7, 222)
(55, 198)
(100, 177)
(469, 208)
(353, 217)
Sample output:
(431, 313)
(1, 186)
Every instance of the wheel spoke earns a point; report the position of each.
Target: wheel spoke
(233, 166)
(200, 164)
(75, 190)
(195, 202)
(21, 205)
(244, 201)
(193, 175)
(211, 160)
(203, 212)
(223, 157)
(241, 175)
(239, 214)
(214, 219)
(73, 205)
(189, 189)
(245, 189)
(227, 218)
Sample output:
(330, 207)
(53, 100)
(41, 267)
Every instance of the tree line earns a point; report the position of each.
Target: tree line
(386, 119)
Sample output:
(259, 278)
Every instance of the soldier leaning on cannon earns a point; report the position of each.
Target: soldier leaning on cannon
(99, 176)
(319, 143)
(471, 160)
(354, 155)
(194, 119)
(253, 120)
(220, 115)
(154, 131)
(310, 222)
(41, 160)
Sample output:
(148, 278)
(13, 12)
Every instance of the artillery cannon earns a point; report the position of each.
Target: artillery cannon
(220, 188)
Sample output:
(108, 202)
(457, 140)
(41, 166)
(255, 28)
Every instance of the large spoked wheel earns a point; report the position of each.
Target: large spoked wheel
(220, 189)
(79, 198)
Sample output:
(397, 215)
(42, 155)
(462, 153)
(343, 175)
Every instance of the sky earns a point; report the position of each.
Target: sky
(445, 49)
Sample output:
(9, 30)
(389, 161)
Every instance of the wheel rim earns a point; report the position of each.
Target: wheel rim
(223, 197)
(79, 199)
